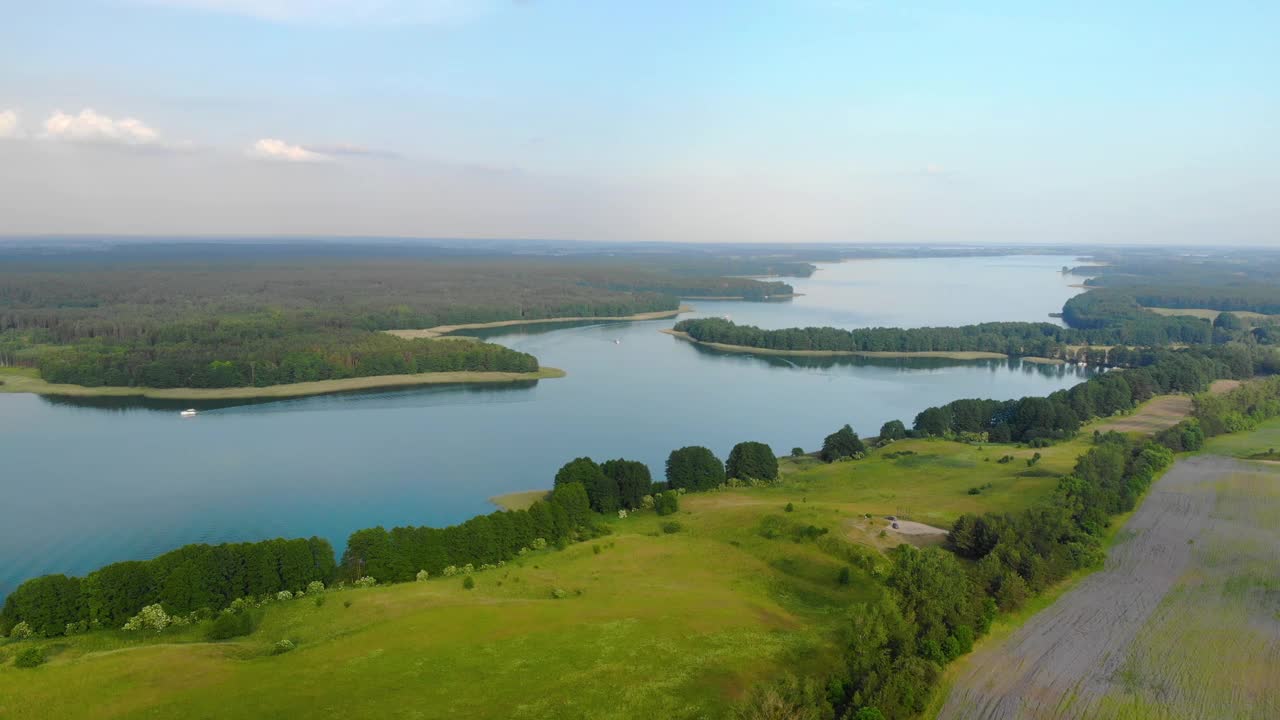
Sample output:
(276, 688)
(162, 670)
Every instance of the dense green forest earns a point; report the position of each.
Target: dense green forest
(256, 315)
(1011, 338)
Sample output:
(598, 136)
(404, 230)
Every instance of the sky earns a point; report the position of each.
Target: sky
(688, 121)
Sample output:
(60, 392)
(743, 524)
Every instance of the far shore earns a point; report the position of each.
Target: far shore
(942, 354)
(520, 500)
(17, 380)
(439, 330)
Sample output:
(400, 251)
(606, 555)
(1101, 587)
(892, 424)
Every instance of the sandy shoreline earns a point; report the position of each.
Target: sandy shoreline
(942, 354)
(439, 330)
(23, 383)
(519, 500)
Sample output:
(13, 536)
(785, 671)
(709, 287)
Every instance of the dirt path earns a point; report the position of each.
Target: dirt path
(1066, 660)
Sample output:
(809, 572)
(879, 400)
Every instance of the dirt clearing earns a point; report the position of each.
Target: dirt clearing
(1141, 638)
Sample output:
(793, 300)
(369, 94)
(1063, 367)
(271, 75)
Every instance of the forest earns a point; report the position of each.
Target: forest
(200, 316)
(1024, 339)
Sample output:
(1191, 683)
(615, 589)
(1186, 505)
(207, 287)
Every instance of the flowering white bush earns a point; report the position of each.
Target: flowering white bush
(622, 514)
(451, 571)
(282, 646)
(423, 575)
(487, 566)
(151, 617)
(539, 543)
(21, 631)
(315, 586)
(523, 551)
(239, 604)
(366, 582)
(468, 569)
(501, 563)
(646, 502)
(284, 595)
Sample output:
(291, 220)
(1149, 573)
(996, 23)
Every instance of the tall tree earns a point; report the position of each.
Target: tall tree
(752, 460)
(694, 468)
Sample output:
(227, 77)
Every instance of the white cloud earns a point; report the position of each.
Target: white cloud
(328, 12)
(9, 127)
(273, 149)
(91, 127)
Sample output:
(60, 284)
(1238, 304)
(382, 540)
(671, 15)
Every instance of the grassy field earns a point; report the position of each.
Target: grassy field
(27, 380)
(1243, 445)
(1210, 315)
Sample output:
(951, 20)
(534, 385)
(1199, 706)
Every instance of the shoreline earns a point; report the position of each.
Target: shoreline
(26, 383)
(518, 500)
(770, 298)
(440, 330)
(941, 354)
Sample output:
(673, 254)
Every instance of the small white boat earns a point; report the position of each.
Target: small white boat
(189, 412)
(617, 341)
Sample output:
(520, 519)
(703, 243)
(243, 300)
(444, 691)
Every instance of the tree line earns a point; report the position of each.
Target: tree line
(199, 576)
(1060, 415)
(267, 355)
(1022, 339)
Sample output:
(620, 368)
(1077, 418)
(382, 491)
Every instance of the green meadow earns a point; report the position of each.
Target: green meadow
(641, 623)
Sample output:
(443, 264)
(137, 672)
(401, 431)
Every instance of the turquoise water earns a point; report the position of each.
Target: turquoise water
(86, 483)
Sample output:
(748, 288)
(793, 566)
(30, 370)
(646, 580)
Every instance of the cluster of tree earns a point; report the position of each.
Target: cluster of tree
(843, 443)
(397, 555)
(269, 356)
(1241, 409)
(623, 484)
(183, 580)
(1060, 414)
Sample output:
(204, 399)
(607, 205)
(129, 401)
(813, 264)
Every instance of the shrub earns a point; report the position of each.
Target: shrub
(595, 549)
(468, 582)
(366, 582)
(151, 617)
(21, 631)
(315, 586)
(790, 507)
(232, 624)
(539, 543)
(558, 594)
(622, 514)
(667, 503)
(29, 657)
(320, 600)
(450, 570)
(284, 595)
(346, 603)
(671, 527)
(282, 646)
(844, 577)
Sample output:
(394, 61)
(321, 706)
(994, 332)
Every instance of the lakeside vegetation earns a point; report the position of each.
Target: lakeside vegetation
(875, 628)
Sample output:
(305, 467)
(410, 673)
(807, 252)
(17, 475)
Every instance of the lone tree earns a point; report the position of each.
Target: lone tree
(573, 498)
(602, 492)
(750, 460)
(893, 430)
(631, 479)
(841, 443)
(694, 468)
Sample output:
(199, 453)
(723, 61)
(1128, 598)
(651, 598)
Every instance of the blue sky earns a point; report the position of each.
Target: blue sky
(808, 120)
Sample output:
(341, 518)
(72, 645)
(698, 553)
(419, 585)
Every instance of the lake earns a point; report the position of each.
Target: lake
(87, 483)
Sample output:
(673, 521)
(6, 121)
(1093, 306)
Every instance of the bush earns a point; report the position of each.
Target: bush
(320, 599)
(790, 507)
(671, 527)
(844, 576)
(797, 452)
(346, 603)
(468, 582)
(315, 586)
(422, 575)
(595, 549)
(151, 617)
(667, 503)
(30, 657)
(366, 582)
(283, 646)
(21, 631)
(558, 594)
(284, 595)
(232, 624)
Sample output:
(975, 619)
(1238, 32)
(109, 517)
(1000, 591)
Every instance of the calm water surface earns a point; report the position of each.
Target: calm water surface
(86, 484)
